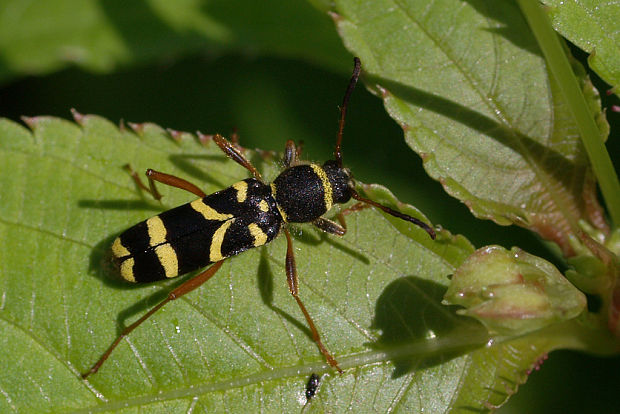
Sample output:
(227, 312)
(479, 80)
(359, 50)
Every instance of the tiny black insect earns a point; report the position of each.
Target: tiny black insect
(312, 385)
(248, 214)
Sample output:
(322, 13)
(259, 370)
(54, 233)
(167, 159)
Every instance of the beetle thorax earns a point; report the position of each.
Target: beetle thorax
(306, 192)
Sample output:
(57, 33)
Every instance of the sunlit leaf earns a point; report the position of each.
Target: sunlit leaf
(469, 86)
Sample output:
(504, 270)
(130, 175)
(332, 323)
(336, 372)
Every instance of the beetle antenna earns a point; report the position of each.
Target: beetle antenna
(395, 213)
(343, 109)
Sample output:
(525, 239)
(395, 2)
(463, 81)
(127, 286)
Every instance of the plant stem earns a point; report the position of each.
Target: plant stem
(559, 66)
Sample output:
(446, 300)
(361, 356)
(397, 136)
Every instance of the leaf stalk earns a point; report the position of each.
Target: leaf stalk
(560, 68)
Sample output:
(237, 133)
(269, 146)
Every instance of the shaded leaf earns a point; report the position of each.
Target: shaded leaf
(42, 36)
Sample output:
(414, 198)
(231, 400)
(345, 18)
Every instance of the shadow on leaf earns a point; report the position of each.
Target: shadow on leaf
(553, 162)
(417, 330)
(571, 174)
(183, 162)
(146, 304)
(101, 266)
(513, 27)
(265, 285)
(120, 205)
(310, 236)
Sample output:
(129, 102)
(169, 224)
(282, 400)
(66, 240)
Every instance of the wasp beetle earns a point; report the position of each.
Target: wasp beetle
(248, 214)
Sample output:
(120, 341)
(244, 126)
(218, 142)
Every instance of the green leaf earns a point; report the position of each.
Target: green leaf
(42, 36)
(593, 26)
(238, 342)
(470, 88)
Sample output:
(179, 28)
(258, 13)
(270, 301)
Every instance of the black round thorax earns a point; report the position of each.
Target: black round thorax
(306, 192)
(300, 194)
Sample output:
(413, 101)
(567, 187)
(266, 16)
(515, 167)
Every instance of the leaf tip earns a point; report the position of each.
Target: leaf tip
(31, 121)
(592, 54)
(384, 92)
(77, 116)
(425, 156)
(138, 128)
(176, 135)
(204, 139)
(335, 16)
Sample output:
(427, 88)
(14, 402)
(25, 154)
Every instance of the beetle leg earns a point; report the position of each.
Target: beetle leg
(234, 154)
(331, 227)
(163, 178)
(176, 293)
(293, 284)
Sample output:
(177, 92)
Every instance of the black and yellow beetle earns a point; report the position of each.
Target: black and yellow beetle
(248, 214)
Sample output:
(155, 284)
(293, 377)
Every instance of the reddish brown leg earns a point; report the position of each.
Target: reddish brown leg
(136, 178)
(293, 285)
(292, 153)
(234, 137)
(186, 287)
(354, 208)
(330, 227)
(300, 147)
(172, 181)
(234, 154)
(163, 178)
